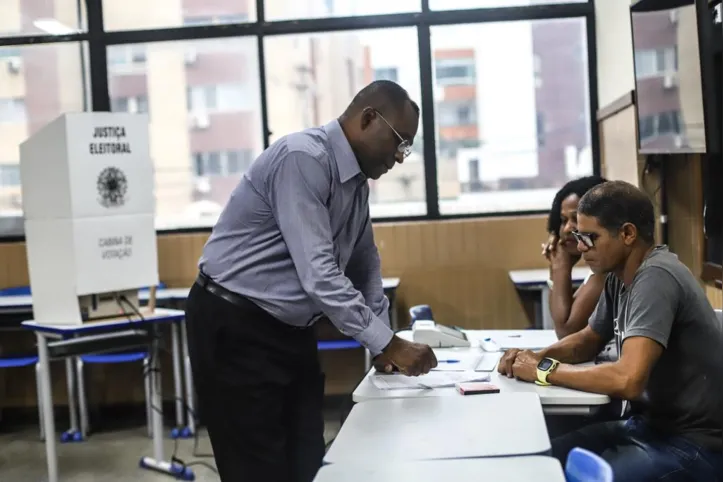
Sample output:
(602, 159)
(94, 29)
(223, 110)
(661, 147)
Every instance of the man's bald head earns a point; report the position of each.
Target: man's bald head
(385, 96)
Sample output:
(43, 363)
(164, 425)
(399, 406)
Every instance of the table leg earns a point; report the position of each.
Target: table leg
(190, 405)
(46, 399)
(547, 323)
(178, 431)
(158, 462)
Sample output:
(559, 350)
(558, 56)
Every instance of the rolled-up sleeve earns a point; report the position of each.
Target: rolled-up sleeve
(299, 187)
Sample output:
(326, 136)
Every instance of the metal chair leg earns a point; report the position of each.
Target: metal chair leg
(40, 403)
(82, 398)
(147, 385)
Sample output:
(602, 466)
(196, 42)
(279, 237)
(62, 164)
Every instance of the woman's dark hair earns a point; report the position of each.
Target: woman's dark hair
(616, 203)
(577, 186)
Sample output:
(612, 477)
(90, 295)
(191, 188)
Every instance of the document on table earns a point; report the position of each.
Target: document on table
(397, 381)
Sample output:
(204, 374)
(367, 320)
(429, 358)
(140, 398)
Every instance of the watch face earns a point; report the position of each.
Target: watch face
(544, 364)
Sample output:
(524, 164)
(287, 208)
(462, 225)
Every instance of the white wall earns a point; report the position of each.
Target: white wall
(614, 42)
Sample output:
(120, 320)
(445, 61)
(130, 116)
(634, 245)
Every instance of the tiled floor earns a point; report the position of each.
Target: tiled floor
(105, 457)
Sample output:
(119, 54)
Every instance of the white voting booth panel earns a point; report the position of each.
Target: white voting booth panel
(87, 182)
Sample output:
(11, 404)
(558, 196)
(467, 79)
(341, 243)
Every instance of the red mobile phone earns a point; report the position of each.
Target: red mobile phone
(477, 388)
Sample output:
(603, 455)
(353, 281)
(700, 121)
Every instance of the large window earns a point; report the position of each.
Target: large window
(205, 120)
(312, 90)
(513, 123)
(37, 84)
(503, 86)
(136, 14)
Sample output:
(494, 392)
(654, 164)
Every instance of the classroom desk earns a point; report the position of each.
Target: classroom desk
(411, 429)
(46, 333)
(507, 469)
(554, 400)
(535, 280)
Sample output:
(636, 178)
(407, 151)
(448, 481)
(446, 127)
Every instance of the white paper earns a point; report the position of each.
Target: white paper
(438, 379)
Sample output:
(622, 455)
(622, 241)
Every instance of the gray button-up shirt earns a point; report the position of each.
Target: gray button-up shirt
(296, 238)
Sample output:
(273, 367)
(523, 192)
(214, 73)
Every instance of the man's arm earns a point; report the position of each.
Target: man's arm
(299, 187)
(365, 271)
(652, 304)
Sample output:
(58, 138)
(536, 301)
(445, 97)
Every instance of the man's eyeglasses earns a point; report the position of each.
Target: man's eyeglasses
(404, 147)
(588, 239)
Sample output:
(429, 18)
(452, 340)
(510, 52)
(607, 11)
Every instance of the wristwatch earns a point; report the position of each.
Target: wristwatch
(544, 368)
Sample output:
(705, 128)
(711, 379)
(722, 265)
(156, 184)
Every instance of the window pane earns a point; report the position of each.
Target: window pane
(297, 9)
(312, 90)
(513, 124)
(203, 101)
(33, 17)
(468, 4)
(41, 83)
(134, 14)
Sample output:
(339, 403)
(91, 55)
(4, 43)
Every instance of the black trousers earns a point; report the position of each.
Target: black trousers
(260, 390)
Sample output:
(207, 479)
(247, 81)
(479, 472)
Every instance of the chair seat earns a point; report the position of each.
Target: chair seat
(114, 357)
(337, 345)
(11, 362)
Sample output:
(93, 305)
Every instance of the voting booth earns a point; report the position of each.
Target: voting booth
(87, 183)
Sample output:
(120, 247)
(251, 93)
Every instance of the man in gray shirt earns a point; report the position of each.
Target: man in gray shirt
(293, 245)
(670, 343)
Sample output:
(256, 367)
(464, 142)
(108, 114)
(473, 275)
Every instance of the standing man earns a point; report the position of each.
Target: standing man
(669, 339)
(295, 244)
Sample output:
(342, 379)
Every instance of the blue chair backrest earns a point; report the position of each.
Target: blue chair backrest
(585, 466)
(15, 291)
(159, 286)
(420, 312)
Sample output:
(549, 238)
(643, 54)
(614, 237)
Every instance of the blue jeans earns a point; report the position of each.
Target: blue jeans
(637, 454)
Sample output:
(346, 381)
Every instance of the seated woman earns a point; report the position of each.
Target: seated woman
(570, 308)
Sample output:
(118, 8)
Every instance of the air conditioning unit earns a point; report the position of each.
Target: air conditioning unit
(14, 65)
(673, 16)
(200, 121)
(678, 141)
(190, 57)
(670, 81)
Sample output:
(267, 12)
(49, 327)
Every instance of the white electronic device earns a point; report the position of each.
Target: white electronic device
(438, 336)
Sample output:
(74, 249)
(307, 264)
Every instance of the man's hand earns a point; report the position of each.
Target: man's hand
(506, 362)
(411, 359)
(525, 366)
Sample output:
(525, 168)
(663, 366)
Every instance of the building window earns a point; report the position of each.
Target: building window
(660, 124)
(656, 62)
(134, 104)
(456, 114)
(541, 129)
(222, 163)
(386, 73)
(455, 71)
(9, 175)
(12, 110)
(218, 98)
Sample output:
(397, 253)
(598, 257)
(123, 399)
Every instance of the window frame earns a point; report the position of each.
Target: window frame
(98, 40)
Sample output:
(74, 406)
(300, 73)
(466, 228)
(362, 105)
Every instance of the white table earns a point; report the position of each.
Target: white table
(46, 333)
(555, 400)
(507, 469)
(410, 429)
(536, 280)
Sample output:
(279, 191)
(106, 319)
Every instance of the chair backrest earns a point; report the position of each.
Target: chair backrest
(719, 314)
(420, 312)
(15, 291)
(585, 466)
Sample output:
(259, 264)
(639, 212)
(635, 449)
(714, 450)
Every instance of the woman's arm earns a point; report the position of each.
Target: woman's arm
(571, 311)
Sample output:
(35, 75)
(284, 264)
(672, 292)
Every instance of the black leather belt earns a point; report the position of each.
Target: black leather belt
(216, 289)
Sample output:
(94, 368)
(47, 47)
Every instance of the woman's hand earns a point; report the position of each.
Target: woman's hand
(549, 246)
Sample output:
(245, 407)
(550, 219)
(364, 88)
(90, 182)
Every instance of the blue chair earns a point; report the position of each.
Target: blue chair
(112, 358)
(24, 361)
(420, 312)
(584, 466)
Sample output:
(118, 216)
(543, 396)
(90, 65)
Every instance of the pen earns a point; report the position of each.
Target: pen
(447, 361)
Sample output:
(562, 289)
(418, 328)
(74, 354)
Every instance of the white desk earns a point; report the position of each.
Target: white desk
(507, 469)
(495, 425)
(554, 400)
(536, 280)
(45, 333)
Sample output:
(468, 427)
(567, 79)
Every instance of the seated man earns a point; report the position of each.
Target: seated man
(670, 343)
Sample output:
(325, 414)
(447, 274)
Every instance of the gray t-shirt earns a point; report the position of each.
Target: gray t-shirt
(665, 303)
